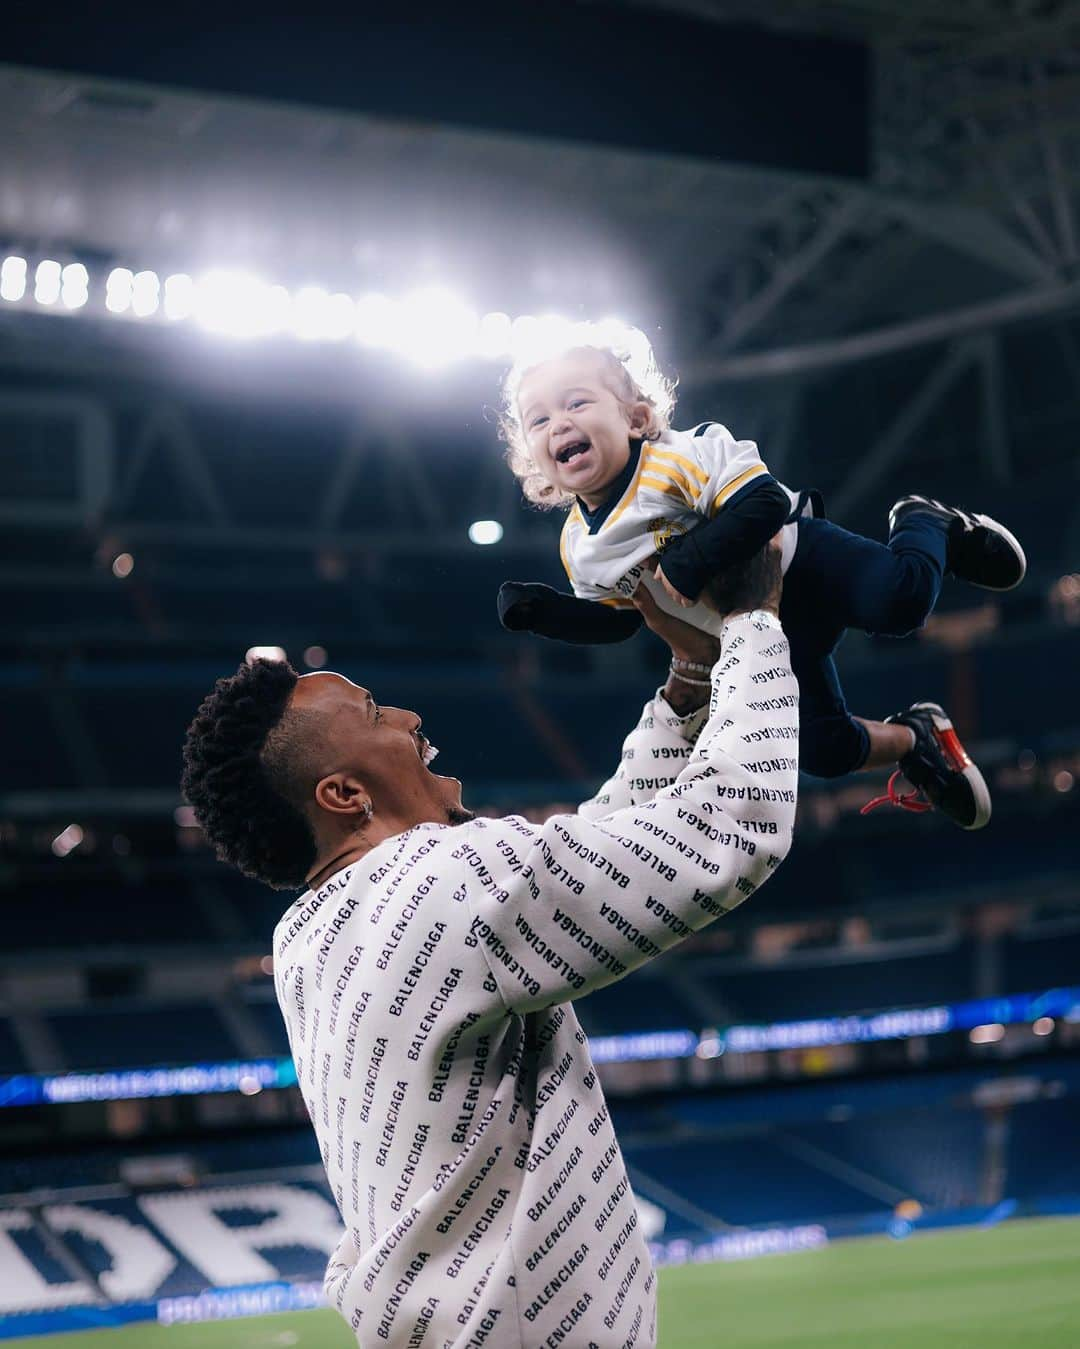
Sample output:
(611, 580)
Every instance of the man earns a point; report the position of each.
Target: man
(426, 975)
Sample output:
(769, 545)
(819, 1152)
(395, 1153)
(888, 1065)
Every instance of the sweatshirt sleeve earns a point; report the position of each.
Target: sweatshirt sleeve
(584, 899)
(653, 755)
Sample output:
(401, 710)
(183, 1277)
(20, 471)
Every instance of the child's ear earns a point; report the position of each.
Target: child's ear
(640, 415)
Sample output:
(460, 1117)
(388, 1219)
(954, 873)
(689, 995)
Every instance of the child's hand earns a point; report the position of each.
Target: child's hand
(670, 589)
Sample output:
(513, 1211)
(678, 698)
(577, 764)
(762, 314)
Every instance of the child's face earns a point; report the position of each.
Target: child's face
(576, 428)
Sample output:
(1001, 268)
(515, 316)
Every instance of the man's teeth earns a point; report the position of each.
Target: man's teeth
(429, 753)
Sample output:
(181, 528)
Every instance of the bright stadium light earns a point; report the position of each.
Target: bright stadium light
(437, 327)
(13, 278)
(254, 653)
(74, 284)
(67, 840)
(535, 339)
(118, 290)
(238, 304)
(987, 1034)
(47, 282)
(431, 326)
(179, 293)
(319, 317)
(123, 564)
(485, 531)
(145, 292)
(378, 321)
(493, 336)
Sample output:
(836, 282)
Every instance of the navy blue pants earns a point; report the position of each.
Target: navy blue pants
(839, 580)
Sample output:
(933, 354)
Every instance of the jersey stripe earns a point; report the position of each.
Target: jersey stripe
(686, 464)
(617, 602)
(668, 486)
(630, 494)
(729, 489)
(564, 541)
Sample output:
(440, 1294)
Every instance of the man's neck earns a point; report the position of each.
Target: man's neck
(325, 869)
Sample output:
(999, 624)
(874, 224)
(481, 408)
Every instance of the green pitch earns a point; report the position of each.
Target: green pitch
(1004, 1288)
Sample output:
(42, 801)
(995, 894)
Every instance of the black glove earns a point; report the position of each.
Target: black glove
(528, 606)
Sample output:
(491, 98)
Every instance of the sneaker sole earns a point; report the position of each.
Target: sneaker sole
(987, 522)
(996, 527)
(960, 761)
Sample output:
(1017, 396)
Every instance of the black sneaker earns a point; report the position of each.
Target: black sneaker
(939, 767)
(980, 551)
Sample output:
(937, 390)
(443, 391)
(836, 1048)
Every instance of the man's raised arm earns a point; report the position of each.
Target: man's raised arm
(586, 899)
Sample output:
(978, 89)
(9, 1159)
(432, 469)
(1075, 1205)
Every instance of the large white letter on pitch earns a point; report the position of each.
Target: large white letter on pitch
(230, 1255)
(22, 1289)
(140, 1263)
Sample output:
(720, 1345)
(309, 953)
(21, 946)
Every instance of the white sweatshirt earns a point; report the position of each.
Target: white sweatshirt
(427, 994)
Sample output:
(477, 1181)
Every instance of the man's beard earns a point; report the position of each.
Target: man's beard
(458, 815)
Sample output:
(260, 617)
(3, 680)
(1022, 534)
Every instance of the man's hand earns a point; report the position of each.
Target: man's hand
(686, 641)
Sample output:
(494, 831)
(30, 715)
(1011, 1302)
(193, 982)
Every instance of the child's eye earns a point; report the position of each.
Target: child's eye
(578, 403)
(536, 421)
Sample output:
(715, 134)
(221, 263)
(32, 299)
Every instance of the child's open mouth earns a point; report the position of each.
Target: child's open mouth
(571, 452)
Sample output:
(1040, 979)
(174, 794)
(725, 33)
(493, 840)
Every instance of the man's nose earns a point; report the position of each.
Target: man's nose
(410, 721)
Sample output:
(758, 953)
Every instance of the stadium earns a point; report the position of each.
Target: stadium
(260, 282)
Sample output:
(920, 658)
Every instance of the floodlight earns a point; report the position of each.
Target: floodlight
(485, 531)
(145, 288)
(74, 281)
(437, 327)
(378, 321)
(67, 840)
(118, 290)
(264, 653)
(238, 304)
(494, 336)
(47, 282)
(179, 299)
(319, 317)
(13, 278)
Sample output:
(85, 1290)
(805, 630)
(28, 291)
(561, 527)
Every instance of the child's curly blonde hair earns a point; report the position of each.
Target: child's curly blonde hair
(634, 377)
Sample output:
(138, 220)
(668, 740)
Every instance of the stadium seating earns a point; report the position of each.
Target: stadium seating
(133, 1037)
(11, 1056)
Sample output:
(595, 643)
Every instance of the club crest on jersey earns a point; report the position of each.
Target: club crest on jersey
(663, 531)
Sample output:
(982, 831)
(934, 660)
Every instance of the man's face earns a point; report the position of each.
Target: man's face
(383, 747)
(576, 428)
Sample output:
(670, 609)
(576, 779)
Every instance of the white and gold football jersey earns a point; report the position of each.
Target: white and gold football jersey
(669, 485)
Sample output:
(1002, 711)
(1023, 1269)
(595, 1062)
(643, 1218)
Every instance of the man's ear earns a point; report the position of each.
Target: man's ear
(342, 794)
(640, 414)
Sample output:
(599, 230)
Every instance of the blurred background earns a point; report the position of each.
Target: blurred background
(259, 284)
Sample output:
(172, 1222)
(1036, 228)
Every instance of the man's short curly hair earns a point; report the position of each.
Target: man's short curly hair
(244, 775)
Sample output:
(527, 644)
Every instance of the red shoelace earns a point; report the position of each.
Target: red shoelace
(912, 800)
